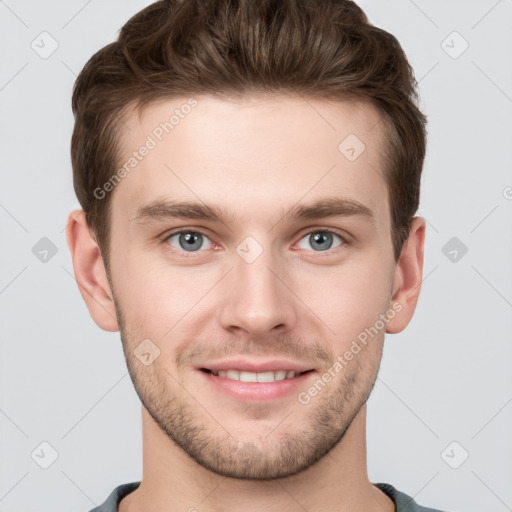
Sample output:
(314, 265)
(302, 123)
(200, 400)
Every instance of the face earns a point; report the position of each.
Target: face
(291, 264)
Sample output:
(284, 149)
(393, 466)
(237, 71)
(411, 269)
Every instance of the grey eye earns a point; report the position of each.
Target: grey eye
(190, 241)
(321, 240)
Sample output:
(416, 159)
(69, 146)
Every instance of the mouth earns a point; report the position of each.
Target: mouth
(246, 376)
(256, 387)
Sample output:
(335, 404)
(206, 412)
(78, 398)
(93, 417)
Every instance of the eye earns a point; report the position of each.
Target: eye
(321, 240)
(189, 241)
(194, 241)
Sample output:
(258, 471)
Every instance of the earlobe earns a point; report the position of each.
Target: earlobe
(90, 272)
(408, 278)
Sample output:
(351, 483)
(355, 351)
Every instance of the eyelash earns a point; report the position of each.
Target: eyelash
(167, 236)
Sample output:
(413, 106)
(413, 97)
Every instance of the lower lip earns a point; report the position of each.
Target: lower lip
(257, 390)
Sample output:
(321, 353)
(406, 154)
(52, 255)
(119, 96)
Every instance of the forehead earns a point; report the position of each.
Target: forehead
(252, 156)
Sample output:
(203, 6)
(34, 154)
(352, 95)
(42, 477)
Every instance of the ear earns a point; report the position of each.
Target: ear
(408, 277)
(90, 273)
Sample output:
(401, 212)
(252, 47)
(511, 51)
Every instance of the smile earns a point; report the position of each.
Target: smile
(245, 376)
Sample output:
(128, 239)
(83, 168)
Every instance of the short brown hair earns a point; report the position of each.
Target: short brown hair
(232, 48)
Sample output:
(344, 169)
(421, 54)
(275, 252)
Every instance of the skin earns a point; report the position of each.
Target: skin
(254, 158)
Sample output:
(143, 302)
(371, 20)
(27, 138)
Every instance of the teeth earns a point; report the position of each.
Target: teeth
(280, 375)
(256, 377)
(232, 374)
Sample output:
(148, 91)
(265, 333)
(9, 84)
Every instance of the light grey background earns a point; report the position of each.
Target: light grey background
(446, 378)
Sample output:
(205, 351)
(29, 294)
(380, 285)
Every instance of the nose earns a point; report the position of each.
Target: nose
(258, 298)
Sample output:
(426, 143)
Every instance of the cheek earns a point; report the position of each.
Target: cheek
(348, 298)
(157, 297)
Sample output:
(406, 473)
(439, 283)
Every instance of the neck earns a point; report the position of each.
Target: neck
(173, 481)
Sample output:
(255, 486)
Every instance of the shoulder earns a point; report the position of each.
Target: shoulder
(403, 502)
(112, 502)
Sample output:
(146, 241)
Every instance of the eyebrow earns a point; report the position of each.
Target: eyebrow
(323, 208)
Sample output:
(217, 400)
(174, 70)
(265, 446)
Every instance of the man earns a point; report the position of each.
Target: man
(249, 173)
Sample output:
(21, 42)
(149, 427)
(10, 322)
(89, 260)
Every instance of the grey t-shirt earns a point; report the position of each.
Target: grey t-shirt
(403, 503)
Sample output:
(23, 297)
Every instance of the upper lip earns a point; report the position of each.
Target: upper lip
(257, 367)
